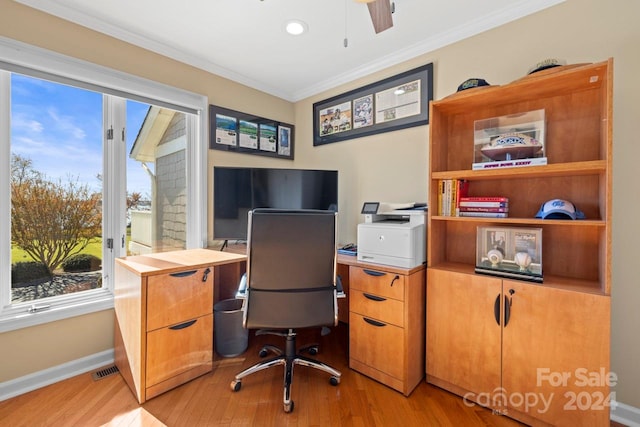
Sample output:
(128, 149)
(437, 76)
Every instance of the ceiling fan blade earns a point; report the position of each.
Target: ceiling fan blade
(380, 11)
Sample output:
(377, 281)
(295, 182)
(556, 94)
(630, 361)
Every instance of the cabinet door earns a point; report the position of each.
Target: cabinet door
(463, 336)
(556, 354)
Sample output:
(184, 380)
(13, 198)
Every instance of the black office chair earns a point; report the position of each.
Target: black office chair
(290, 284)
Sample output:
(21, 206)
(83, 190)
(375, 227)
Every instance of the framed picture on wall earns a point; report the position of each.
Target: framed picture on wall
(284, 140)
(239, 132)
(395, 103)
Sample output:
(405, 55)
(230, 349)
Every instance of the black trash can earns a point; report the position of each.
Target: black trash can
(230, 338)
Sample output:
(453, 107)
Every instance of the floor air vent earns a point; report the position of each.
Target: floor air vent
(102, 373)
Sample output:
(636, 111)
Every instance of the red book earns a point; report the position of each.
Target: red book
(484, 199)
(463, 191)
(467, 204)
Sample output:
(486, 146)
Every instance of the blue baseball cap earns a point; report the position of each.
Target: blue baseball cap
(559, 209)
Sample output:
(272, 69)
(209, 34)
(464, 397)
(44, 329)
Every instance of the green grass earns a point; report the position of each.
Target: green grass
(18, 255)
(94, 248)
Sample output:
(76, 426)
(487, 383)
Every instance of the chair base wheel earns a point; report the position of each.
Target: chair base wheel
(334, 381)
(236, 385)
(263, 353)
(288, 407)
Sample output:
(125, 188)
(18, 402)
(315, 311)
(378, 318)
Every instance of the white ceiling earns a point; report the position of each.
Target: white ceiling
(245, 41)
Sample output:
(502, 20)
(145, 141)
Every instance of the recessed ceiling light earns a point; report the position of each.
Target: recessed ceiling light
(296, 27)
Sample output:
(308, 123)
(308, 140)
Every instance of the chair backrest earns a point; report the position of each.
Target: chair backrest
(291, 269)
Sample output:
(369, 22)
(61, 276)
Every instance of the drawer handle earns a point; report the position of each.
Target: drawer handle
(374, 297)
(183, 325)
(373, 272)
(374, 322)
(206, 274)
(183, 273)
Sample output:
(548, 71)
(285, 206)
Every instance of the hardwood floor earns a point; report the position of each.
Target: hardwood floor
(209, 401)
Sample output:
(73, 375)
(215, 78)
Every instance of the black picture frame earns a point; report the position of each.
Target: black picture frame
(238, 132)
(375, 108)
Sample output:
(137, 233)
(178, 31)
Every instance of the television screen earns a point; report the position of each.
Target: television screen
(238, 190)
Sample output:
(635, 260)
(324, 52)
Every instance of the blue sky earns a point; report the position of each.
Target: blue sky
(59, 128)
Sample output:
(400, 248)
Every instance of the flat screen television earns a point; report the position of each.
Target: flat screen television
(237, 190)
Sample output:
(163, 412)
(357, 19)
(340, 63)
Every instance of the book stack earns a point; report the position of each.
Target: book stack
(450, 191)
(491, 207)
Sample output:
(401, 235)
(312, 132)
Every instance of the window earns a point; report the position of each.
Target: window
(69, 134)
(56, 189)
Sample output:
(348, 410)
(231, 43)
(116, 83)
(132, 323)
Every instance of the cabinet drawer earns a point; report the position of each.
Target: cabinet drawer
(376, 307)
(173, 298)
(179, 348)
(377, 344)
(378, 282)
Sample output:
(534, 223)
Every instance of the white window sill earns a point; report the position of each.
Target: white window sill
(22, 318)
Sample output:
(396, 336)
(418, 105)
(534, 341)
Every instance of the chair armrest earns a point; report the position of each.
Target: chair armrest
(339, 288)
(241, 293)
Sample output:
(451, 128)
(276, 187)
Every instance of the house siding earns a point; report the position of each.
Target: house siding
(171, 191)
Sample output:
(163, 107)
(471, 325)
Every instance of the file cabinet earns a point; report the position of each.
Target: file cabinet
(387, 324)
(164, 318)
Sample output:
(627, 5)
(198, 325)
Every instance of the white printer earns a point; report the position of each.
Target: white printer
(393, 234)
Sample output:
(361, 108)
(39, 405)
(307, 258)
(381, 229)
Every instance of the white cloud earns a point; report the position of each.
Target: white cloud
(66, 124)
(20, 122)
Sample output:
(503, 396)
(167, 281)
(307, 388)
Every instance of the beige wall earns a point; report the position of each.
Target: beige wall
(392, 166)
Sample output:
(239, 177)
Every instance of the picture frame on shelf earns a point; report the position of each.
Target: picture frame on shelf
(398, 102)
(511, 252)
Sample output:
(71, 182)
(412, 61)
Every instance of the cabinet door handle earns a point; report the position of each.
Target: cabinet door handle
(373, 297)
(183, 273)
(507, 310)
(183, 325)
(496, 309)
(373, 272)
(206, 274)
(374, 322)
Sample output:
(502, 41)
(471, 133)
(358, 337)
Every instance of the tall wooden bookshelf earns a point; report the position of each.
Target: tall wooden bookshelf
(561, 325)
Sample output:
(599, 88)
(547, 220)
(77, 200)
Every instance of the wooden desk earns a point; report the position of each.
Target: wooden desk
(164, 315)
(385, 310)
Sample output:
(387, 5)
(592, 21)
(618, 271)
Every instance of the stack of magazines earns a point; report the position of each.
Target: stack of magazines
(349, 249)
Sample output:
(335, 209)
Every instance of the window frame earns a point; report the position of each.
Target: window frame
(112, 83)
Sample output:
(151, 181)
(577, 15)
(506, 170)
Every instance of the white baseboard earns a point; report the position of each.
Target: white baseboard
(625, 414)
(36, 380)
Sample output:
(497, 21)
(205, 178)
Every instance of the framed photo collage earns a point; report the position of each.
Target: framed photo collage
(395, 103)
(235, 131)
